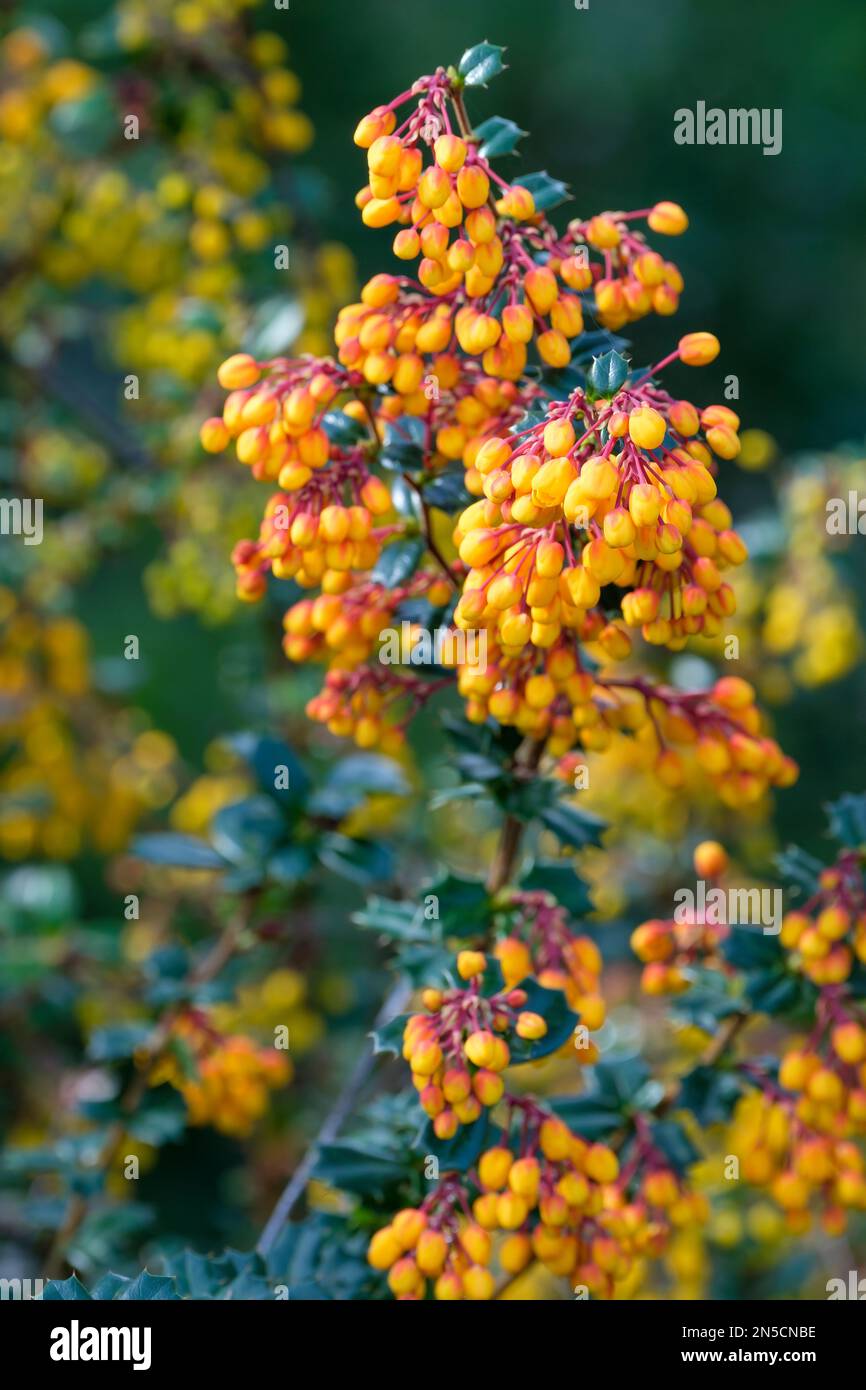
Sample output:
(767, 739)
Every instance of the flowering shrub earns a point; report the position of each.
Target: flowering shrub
(500, 538)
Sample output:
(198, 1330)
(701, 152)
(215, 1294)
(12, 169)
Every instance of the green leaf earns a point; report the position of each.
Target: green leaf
(547, 192)
(160, 1118)
(341, 429)
(247, 831)
(848, 819)
(447, 491)
(798, 867)
(360, 861)
(710, 1094)
(480, 63)
(65, 1290)
(109, 1286)
(353, 779)
(559, 878)
(572, 826)
(398, 921)
(354, 1169)
(457, 1154)
(176, 851)
(497, 135)
(748, 949)
(290, 864)
(586, 1115)
(273, 760)
(148, 1288)
(620, 1081)
(118, 1041)
(675, 1144)
(388, 1038)
(401, 456)
(275, 326)
(425, 963)
(561, 1022)
(608, 373)
(398, 562)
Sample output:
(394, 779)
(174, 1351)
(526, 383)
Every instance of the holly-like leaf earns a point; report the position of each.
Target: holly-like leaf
(559, 878)
(353, 779)
(481, 63)
(117, 1041)
(354, 1169)
(561, 1022)
(798, 867)
(398, 562)
(497, 135)
(588, 1116)
(748, 948)
(69, 1290)
(360, 861)
(388, 1037)
(573, 826)
(608, 373)
(342, 429)
(620, 1080)
(710, 1094)
(278, 771)
(398, 921)
(547, 192)
(447, 491)
(147, 1287)
(670, 1137)
(247, 831)
(848, 820)
(176, 851)
(160, 1118)
(459, 1153)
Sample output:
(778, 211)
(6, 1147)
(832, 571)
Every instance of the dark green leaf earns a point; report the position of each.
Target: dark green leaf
(798, 867)
(848, 820)
(388, 1037)
(360, 861)
(572, 826)
(480, 63)
(559, 878)
(273, 761)
(148, 1288)
(608, 373)
(749, 948)
(561, 1022)
(247, 831)
(398, 562)
(176, 851)
(710, 1094)
(497, 135)
(341, 429)
(65, 1290)
(675, 1144)
(354, 1169)
(117, 1041)
(546, 191)
(459, 1153)
(586, 1115)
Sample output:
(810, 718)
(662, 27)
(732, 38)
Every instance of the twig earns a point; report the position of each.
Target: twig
(395, 1001)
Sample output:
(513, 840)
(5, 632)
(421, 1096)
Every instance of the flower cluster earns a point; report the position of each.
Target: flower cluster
(230, 1076)
(668, 947)
(827, 936)
(555, 1199)
(597, 515)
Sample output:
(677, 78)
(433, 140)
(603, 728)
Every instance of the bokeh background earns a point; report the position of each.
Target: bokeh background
(155, 257)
